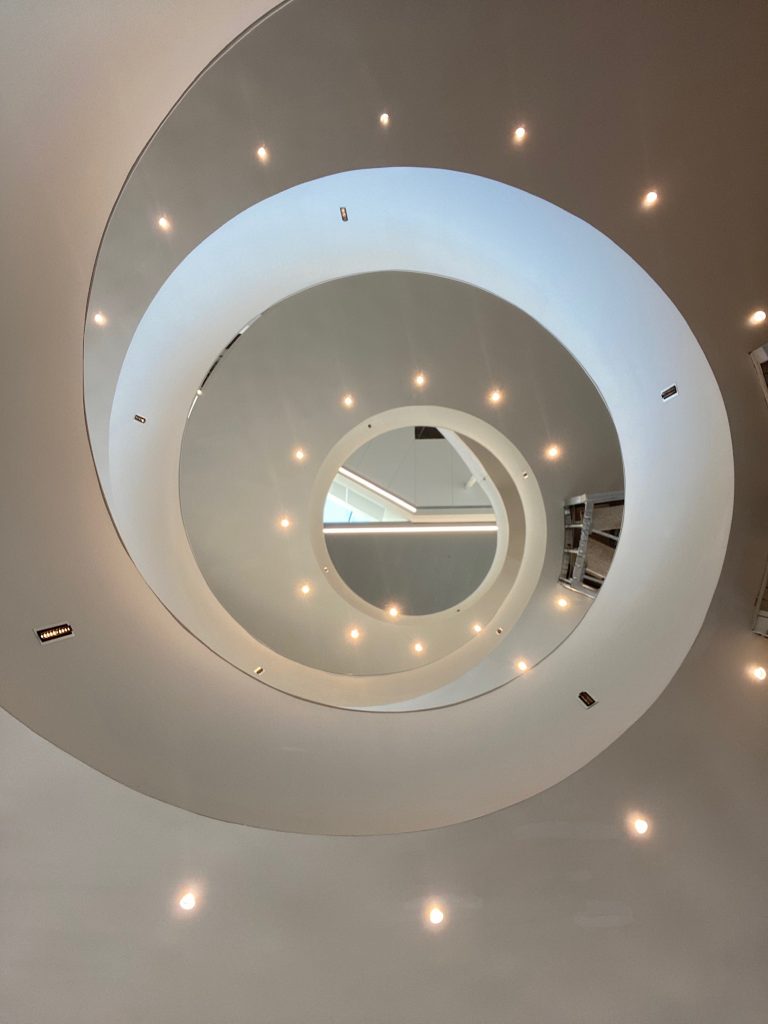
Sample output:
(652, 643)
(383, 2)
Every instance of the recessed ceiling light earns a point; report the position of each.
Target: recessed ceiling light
(521, 665)
(562, 602)
(640, 826)
(759, 673)
(436, 915)
(299, 454)
(384, 119)
(553, 452)
(263, 154)
(418, 647)
(477, 628)
(650, 198)
(348, 401)
(284, 522)
(420, 379)
(188, 901)
(100, 319)
(519, 134)
(495, 395)
(305, 589)
(164, 223)
(54, 632)
(258, 670)
(393, 611)
(758, 317)
(354, 633)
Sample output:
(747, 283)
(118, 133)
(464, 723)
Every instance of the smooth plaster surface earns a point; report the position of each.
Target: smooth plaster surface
(299, 928)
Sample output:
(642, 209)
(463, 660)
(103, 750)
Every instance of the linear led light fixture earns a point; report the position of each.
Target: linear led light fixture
(54, 632)
(343, 471)
(353, 528)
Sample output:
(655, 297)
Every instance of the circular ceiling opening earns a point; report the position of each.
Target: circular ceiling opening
(373, 375)
(410, 520)
(470, 283)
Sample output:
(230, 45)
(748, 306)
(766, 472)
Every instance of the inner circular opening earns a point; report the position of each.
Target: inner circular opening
(410, 520)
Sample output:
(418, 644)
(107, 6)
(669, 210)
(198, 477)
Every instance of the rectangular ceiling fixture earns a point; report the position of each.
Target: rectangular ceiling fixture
(669, 392)
(140, 419)
(587, 699)
(351, 529)
(343, 212)
(54, 632)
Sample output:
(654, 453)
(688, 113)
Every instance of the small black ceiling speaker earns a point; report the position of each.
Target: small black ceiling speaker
(587, 699)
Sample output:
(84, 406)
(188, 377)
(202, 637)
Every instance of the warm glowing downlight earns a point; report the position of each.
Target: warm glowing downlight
(418, 647)
(553, 452)
(477, 628)
(393, 611)
(99, 319)
(284, 522)
(758, 673)
(758, 317)
(562, 602)
(188, 901)
(420, 379)
(299, 454)
(164, 223)
(640, 826)
(348, 401)
(519, 134)
(521, 665)
(495, 395)
(650, 198)
(436, 915)
(305, 589)
(354, 633)
(263, 154)
(384, 119)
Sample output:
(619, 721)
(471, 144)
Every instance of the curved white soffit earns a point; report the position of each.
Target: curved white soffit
(505, 746)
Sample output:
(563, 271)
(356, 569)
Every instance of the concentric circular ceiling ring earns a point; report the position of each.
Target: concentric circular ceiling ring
(588, 293)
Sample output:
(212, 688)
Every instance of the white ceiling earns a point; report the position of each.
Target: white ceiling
(555, 914)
